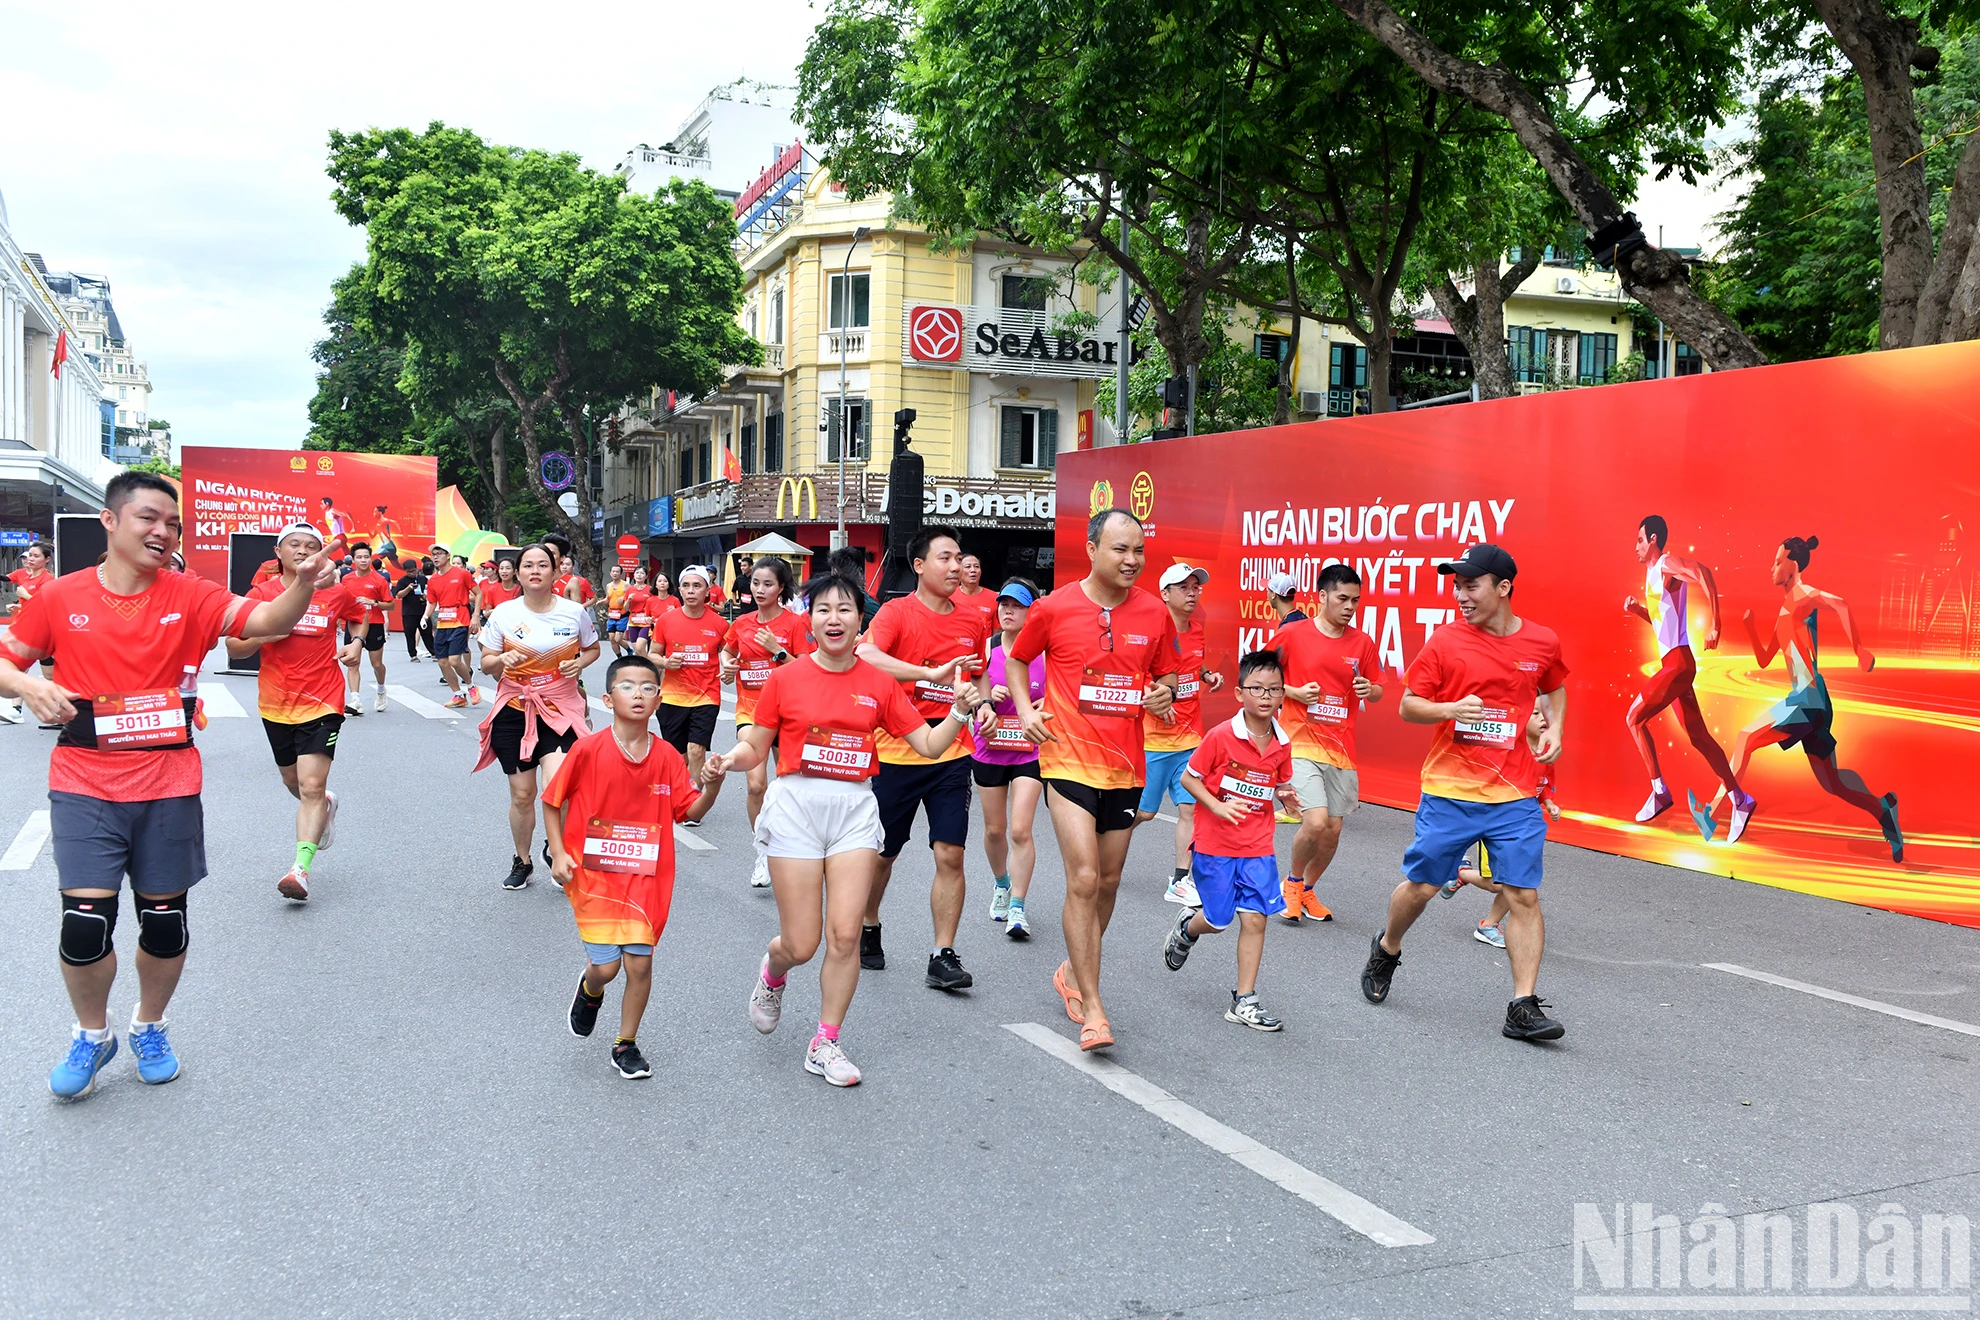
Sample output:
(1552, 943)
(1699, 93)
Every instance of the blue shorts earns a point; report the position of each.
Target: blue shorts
(1230, 885)
(1165, 772)
(604, 954)
(615, 625)
(450, 641)
(1515, 831)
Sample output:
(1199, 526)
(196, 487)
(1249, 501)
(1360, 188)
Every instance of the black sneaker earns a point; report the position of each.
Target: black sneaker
(945, 970)
(519, 872)
(584, 1011)
(1381, 969)
(546, 855)
(871, 956)
(1525, 1021)
(629, 1061)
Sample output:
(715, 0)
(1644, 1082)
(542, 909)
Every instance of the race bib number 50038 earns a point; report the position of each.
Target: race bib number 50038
(836, 754)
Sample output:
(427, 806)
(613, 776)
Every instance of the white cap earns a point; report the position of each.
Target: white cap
(1283, 585)
(300, 527)
(1176, 574)
(698, 571)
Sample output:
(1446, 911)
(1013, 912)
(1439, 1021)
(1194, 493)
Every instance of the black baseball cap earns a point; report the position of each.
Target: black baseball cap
(1480, 561)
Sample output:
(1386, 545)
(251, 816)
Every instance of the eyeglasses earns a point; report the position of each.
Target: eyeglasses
(1257, 691)
(629, 688)
(1106, 629)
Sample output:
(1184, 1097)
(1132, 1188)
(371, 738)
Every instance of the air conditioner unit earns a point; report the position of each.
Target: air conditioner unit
(1564, 284)
(1313, 401)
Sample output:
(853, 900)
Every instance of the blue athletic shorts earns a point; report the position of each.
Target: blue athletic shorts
(615, 625)
(450, 641)
(1515, 831)
(1165, 772)
(603, 954)
(1230, 885)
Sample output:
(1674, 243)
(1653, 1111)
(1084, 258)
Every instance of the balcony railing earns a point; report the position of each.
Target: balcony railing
(855, 344)
(773, 356)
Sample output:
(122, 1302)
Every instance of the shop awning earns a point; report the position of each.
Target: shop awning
(772, 544)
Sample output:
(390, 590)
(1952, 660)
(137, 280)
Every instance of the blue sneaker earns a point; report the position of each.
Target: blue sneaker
(156, 1062)
(75, 1075)
(1488, 934)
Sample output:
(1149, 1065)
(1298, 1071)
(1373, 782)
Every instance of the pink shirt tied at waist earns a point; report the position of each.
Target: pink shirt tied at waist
(1011, 748)
(553, 699)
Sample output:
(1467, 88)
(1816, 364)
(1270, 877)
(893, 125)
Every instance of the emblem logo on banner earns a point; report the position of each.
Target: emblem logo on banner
(935, 334)
(1141, 496)
(1102, 497)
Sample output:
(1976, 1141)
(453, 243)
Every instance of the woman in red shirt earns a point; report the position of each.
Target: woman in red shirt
(758, 643)
(639, 614)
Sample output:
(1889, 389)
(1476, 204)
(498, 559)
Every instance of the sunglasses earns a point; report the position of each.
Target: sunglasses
(1106, 629)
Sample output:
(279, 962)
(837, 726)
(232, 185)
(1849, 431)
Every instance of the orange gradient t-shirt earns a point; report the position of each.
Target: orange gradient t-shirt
(827, 723)
(1486, 760)
(602, 794)
(370, 586)
(754, 661)
(1097, 664)
(1323, 729)
(301, 679)
(909, 631)
(1186, 729)
(697, 643)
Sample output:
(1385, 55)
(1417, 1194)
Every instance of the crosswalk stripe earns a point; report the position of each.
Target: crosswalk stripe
(26, 846)
(419, 705)
(221, 703)
(687, 838)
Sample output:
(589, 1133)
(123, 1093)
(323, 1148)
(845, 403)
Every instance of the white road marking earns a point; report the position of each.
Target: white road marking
(26, 846)
(1913, 1303)
(1160, 816)
(1364, 1217)
(419, 705)
(221, 703)
(688, 838)
(1875, 1006)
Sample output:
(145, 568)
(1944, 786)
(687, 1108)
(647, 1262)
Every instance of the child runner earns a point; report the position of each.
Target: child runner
(820, 824)
(1006, 770)
(1235, 773)
(757, 644)
(610, 812)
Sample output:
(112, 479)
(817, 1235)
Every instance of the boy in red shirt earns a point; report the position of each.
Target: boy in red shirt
(609, 815)
(1235, 773)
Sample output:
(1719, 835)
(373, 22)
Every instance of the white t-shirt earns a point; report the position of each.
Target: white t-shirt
(547, 639)
(1667, 597)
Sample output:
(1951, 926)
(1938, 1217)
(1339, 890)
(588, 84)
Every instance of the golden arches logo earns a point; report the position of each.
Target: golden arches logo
(797, 488)
(1102, 497)
(1141, 496)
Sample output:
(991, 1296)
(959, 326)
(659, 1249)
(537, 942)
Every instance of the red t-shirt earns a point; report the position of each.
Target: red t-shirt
(1231, 766)
(494, 593)
(371, 586)
(26, 584)
(1187, 729)
(754, 660)
(596, 786)
(109, 645)
(984, 602)
(585, 590)
(1486, 760)
(830, 721)
(452, 596)
(1095, 673)
(698, 682)
(909, 631)
(639, 606)
(301, 679)
(1323, 730)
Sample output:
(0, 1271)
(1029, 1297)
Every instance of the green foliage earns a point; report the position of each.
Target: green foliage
(1235, 388)
(159, 424)
(1630, 367)
(158, 466)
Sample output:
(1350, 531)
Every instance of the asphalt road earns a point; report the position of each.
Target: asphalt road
(383, 1113)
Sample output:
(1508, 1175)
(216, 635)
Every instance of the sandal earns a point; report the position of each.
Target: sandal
(1096, 1036)
(1062, 982)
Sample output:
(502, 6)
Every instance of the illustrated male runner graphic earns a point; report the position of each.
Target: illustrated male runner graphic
(1804, 715)
(1666, 591)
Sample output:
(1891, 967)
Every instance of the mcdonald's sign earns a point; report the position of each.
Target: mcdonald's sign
(799, 489)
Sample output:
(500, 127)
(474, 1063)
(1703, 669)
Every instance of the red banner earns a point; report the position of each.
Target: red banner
(374, 498)
(1875, 459)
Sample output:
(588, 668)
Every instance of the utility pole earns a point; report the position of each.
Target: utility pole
(845, 418)
(1122, 418)
(1189, 409)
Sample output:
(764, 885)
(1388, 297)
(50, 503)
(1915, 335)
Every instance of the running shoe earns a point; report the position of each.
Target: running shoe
(766, 1001)
(75, 1076)
(354, 708)
(1311, 906)
(380, 706)
(1889, 822)
(546, 854)
(1486, 933)
(1182, 890)
(519, 872)
(1246, 1011)
(1018, 928)
(1000, 900)
(1525, 1021)
(455, 702)
(584, 1011)
(1292, 891)
(632, 1065)
(199, 714)
(825, 1059)
(945, 971)
(1378, 971)
(1456, 883)
(1177, 944)
(759, 876)
(692, 824)
(871, 956)
(1659, 802)
(1742, 813)
(329, 822)
(474, 698)
(294, 885)
(155, 1060)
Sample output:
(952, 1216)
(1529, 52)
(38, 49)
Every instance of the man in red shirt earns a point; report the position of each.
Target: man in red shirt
(453, 608)
(29, 578)
(929, 644)
(970, 595)
(369, 587)
(1478, 681)
(124, 777)
(687, 645)
(1331, 667)
(301, 693)
(1110, 656)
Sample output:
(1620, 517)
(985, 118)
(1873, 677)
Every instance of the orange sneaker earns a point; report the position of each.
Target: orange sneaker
(1311, 905)
(1295, 895)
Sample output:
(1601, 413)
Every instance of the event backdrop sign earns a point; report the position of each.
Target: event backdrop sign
(1875, 456)
(370, 497)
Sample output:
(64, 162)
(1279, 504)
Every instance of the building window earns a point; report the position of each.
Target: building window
(856, 288)
(752, 321)
(773, 442)
(1347, 376)
(686, 467)
(855, 412)
(777, 317)
(1026, 293)
(1030, 438)
(1526, 351)
(747, 438)
(1598, 355)
(1273, 348)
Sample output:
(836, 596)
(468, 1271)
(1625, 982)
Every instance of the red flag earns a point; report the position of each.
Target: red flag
(61, 354)
(731, 469)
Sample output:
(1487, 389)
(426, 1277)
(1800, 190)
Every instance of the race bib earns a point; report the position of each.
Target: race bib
(1007, 735)
(1493, 728)
(1115, 695)
(615, 614)
(543, 680)
(447, 614)
(641, 620)
(1328, 710)
(1254, 785)
(695, 657)
(134, 721)
(1187, 686)
(926, 691)
(754, 677)
(314, 623)
(625, 846)
(836, 754)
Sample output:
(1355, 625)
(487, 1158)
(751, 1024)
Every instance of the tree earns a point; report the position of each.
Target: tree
(158, 466)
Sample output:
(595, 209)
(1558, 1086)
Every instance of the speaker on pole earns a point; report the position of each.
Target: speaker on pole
(80, 541)
(904, 487)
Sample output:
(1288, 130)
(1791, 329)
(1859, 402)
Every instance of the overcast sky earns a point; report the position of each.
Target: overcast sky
(178, 150)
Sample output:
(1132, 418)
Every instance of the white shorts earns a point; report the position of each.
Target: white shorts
(814, 819)
(1329, 786)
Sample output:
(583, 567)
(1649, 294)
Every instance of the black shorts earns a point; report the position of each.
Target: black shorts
(943, 788)
(505, 735)
(681, 725)
(1111, 808)
(373, 634)
(160, 844)
(449, 642)
(317, 737)
(1003, 776)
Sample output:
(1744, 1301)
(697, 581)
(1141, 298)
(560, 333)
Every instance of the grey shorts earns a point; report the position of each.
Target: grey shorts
(160, 844)
(1329, 786)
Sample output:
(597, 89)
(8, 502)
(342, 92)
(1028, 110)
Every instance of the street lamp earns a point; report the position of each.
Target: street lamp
(860, 235)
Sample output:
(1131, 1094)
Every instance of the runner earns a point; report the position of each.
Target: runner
(690, 645)
(502, 586)
(820, 823)
(373, 592)
(534, 647)
(663, 598)
(124, 778)
(569, 584)
(1666, 591)
(1330, 665)
(608, 821)
(1279, 593)
(1169, 742)
(1110, 655)
(1478, 681)
(927, 644)
(1491, 927)
(1805, 715)
(756, 644)
(451, 609)
(640, 613)
(616, 588)
(336, 526)
(29, 578)
(970, 595)
(387, 535)
(411, 591)
(1006, 768)
(302, 696)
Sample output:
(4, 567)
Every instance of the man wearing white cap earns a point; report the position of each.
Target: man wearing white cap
(1169, 742)
(687, 645)
(1279, 594)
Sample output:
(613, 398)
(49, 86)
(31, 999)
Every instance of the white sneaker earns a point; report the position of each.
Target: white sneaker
(827, 1060)
(294, 885)
(329, 823)
(1183, 891)
(766, 1002)
(759, 878)
(380, 707)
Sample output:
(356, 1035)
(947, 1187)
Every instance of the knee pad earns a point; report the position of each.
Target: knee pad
(87, 925)
(162, 926)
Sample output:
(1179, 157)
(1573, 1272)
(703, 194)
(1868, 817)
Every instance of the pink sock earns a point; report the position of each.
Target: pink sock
(774, 982)
(826, 1032)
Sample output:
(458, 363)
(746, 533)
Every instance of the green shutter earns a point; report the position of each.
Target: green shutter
(1007, 454)
(831, 407)
(1048, 438)
(865, 441)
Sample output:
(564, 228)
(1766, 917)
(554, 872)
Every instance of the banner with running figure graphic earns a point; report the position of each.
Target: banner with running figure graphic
(1761, 580)
(381, 499)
